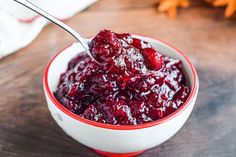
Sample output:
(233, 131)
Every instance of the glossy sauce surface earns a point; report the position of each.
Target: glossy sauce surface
(134, 85)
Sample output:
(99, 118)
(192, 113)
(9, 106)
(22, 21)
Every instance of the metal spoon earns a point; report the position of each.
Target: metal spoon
(51, 18)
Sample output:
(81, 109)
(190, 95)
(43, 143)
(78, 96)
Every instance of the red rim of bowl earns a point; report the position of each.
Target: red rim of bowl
(124, 127)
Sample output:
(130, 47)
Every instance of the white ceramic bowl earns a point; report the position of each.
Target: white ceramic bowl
(128, 140)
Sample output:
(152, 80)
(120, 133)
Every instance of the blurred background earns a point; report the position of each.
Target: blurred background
(205, 30)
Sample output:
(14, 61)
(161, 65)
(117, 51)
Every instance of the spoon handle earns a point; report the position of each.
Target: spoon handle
(54, 20)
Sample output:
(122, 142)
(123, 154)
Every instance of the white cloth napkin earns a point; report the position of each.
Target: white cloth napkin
(19, 26)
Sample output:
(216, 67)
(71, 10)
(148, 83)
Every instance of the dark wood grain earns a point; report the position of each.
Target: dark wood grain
(27, 129)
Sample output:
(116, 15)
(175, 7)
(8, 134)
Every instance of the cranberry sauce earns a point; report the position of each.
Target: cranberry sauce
(134, 85)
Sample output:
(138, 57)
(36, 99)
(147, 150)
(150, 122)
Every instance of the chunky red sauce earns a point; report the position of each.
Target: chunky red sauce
(134, 85)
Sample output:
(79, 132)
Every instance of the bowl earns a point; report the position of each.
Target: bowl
(118, 140)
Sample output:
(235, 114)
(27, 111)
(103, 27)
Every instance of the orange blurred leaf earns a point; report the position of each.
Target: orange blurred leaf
(170, 6)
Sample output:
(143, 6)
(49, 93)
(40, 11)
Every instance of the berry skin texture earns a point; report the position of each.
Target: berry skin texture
(134, 85)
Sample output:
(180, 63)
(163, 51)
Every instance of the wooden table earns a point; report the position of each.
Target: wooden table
(27, 129)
